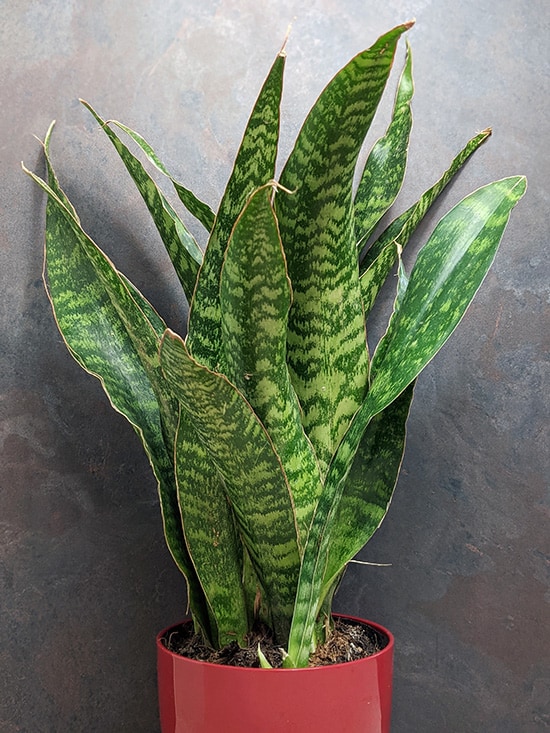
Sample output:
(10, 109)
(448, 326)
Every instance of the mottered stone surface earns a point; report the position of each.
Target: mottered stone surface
(85, 579)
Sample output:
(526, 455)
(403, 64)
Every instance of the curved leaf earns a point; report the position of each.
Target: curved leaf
(381, 256)
(447, 274)
(443, 282)
(369, 486)
(194, 206)
(109, 333)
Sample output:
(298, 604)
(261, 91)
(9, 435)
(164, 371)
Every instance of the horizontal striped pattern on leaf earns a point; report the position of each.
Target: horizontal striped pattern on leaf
(254, 166)
(83, 288)
(256, 485)
(210, 535)
(327, 351)
(382, 255)
(255, 299)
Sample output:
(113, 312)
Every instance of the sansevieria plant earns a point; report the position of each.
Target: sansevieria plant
(275, 435)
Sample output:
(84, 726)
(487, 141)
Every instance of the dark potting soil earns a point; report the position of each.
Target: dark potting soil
(348, 641)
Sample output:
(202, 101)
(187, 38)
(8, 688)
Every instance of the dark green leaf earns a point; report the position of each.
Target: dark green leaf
(194, 206)
(252, 473)
(184, 252)
(380, 258)
(385, 167)
(254, 166)
(327, 351)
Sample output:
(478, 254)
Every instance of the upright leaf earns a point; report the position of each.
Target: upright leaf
(327, 351)
(255, 299)
(381, 256)
(445, 278)
(447, 274)
(184, 252)
(254, 166)
(210, 535)
(251, 470)
(385, 167)
(369, 486)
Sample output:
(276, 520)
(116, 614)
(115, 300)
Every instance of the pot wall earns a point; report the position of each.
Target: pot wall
(199, 697)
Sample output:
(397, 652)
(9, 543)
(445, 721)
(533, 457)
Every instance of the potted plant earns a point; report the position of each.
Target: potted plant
(274, 432)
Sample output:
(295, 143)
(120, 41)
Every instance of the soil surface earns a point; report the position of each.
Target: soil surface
(347, 642)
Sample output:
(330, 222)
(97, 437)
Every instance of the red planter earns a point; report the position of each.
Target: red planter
(199, 697)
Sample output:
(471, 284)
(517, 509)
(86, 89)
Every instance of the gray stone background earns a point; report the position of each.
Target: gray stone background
(85, 577)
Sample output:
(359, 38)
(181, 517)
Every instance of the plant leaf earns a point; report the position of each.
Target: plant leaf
(448, 272)
(369, 486)
(385, 167)
(255, 299)
(210, 534)
(194, 206)
(327, 351)
(252, 473)
(83, 287)
(254, 166)
(184, 252)
(380, 258)
(444, 280)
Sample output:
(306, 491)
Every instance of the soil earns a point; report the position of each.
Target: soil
(348, 641)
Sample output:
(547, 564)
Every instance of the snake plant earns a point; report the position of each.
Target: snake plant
(274, 434)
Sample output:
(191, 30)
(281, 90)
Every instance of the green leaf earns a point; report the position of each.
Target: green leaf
(448, 272)
(254, 166)
(252, 473)
(385, 167)
(380, 258)
(184, 252)
(327, 351)
(210, 534)
(444, 280)
(194, 206)
(369, 486)
(255, 299)
(92, 305)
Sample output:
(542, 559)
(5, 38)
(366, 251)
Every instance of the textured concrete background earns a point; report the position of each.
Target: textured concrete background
(85, 578)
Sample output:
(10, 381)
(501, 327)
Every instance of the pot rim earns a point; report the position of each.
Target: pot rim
(244, 670)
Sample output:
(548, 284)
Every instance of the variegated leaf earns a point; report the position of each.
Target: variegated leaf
(255, 299)
(381, 256)
(254, 166)
(327, 351)
(385, 167)
(210, 535)
(184, 252)
(445, 278)
(244, 456)
(92, 305)
(369, 486)
(194, 206)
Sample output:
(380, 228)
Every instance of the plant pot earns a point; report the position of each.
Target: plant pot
(200, 697)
